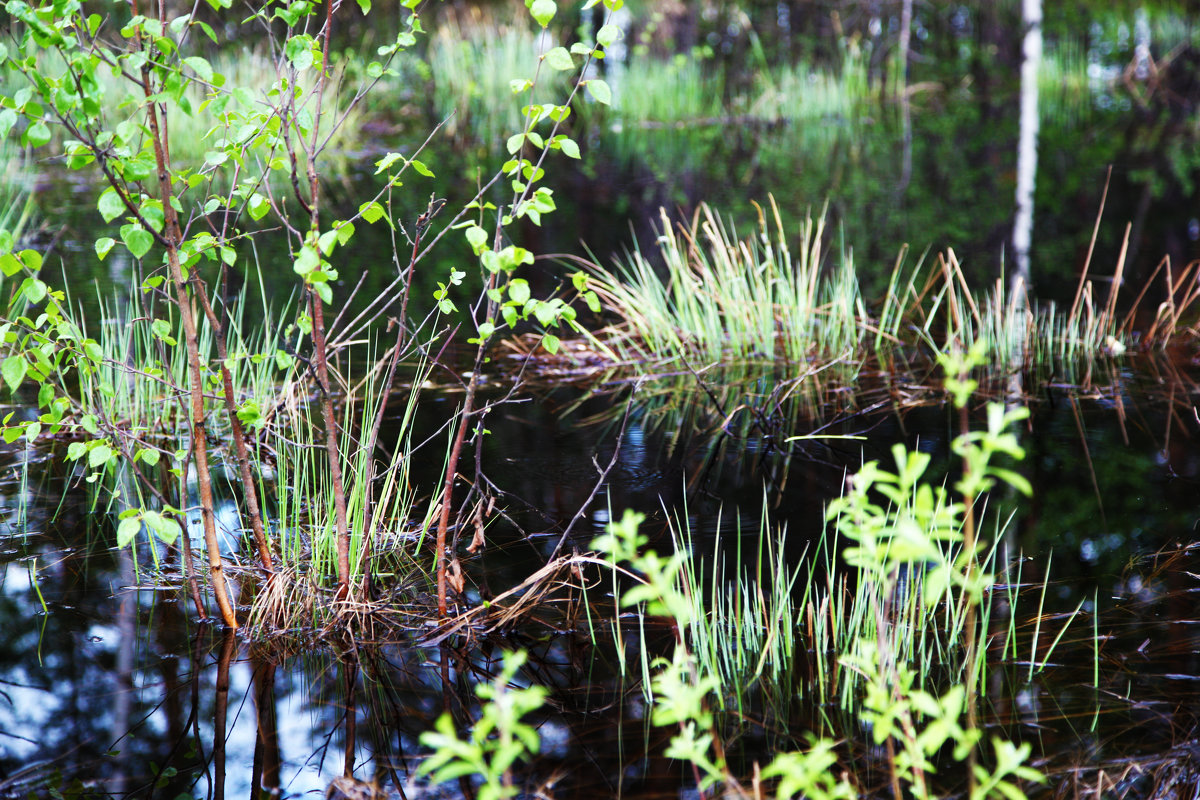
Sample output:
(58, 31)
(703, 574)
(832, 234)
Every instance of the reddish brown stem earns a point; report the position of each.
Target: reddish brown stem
(187, 318)
(249, 488)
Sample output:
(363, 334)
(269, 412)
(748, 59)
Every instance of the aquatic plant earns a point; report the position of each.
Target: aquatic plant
(914, 556)
(498, 739)
(726, 299)
(189, 208)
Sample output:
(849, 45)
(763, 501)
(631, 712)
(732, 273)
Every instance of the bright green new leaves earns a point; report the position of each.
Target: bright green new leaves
(507, 260)
(558, 58)
(257, 206)
(36, 135)
(809, 774)
(127, 529)
(599, 91)
(13, 370)
(299, 51)
(543, 11)
(201, 67)
(137, 239)
(496, 742)
(371, 211)
(607, 35)
(315, 271)
(103, 245)
(110, 204)
(165, 528)
(567, 145)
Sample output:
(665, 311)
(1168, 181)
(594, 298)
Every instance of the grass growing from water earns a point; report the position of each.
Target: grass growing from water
(887, 654)
(723, 299)
(728, 300)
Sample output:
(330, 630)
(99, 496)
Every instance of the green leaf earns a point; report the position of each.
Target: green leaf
(34, 289)
(36, 134)
(550, 342)
(421, 168)
(324, 292)
(162, 330)
(201, 67)
(127, 530)
(326, 241)
(518, 290)
(608, 34)
(30, 259)
(13, 371)
(365, 6)
(99, 455)
(514, 142)
(257, 206)
(382, 164)
(299, 52)
(103, 245)
(477, 237)
(599, 90)
(148, 456)
(569, 148)
(166, 529)
(558, 58)
(307, 261)
(137, 239)
(543, 11)
(371, 211)
(110, 204)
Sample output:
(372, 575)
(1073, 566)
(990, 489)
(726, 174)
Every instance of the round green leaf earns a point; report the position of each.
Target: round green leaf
(167, 530)
(599, 90)
(99, 455)
(111, 206)
(13, 370)
(543, 11)
(137, 239)
(558, 58)
(37, 134)
(127, 530)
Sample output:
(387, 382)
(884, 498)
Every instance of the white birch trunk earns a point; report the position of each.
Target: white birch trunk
(1031, 15)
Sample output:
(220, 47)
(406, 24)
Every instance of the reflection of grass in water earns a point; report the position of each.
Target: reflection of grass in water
(16, 196)
(472, 70)
(214, 114)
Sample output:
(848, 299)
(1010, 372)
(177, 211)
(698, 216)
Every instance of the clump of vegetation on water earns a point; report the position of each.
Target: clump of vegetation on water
(916, 562)
(735, 300)
(181, 371)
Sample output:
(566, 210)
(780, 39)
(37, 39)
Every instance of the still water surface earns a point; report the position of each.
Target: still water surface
(109, 681)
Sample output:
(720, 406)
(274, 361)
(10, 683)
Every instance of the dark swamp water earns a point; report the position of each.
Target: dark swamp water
(109, 686)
